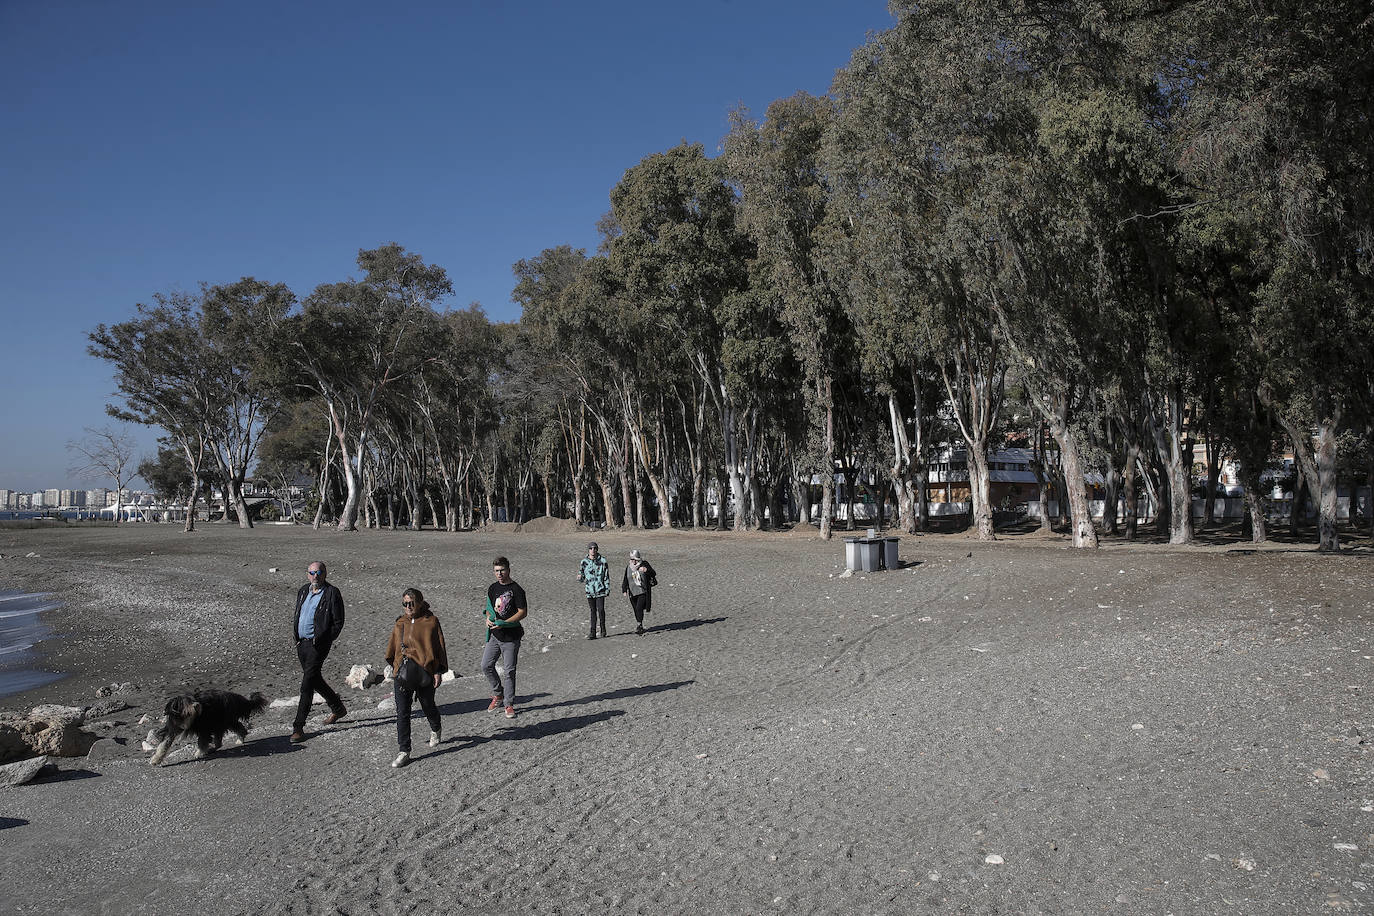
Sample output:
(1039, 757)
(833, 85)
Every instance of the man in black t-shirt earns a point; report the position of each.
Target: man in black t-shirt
(506, 607)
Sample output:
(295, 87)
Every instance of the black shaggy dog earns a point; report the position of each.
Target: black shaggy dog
(207, 714)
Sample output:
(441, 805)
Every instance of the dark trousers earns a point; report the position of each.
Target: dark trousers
(597, 607)
(404, 697)
(640, 603)
(312, 682)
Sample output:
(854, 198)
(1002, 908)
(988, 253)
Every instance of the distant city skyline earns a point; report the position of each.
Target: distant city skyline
(150, 147)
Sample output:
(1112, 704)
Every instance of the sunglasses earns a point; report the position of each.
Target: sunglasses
(313, 572)
(407, 604)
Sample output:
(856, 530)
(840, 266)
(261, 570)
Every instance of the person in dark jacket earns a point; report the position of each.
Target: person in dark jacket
(638, 583)
(316, 625)
(418, 658)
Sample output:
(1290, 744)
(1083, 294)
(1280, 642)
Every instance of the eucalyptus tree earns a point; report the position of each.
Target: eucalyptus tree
(453, 399)
(237, 322)
(104, 453)
(785, 208)
(197, 366)
(1281, 133)
(162, 379)
(571, 335)
(679, 256)
(294, 451)
(355, 339)
(901, 166)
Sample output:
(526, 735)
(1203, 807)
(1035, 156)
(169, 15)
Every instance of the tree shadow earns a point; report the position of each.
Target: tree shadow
(620, 694)
(684, 624)
(7, 822)
(533, 730)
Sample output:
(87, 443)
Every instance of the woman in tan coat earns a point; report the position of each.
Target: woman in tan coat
(418, 659)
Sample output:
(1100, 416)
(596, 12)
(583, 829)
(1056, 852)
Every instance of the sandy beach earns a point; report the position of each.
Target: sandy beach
(1012, 727)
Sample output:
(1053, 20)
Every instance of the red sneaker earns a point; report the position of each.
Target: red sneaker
(510, 712)
(494, 704)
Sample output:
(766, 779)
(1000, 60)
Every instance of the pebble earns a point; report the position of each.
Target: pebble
(1345, 847)
(1137, 727)
(994, 859)
(1245, 864)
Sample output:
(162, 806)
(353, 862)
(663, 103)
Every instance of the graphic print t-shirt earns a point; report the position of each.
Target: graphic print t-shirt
(507, 599)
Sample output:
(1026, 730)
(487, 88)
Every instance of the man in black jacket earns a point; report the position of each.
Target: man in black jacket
(317, 623)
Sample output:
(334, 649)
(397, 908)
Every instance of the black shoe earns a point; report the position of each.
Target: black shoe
(591, 636)
(297, 736)
(639, 631)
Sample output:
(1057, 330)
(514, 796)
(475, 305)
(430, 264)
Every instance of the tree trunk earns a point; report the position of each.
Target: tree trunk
(1110, 496)
(348, 516)
(1254, 505)
(1328, 540)
(235, 495)
(1369, 496)
(1042, 477)
(828, 464)
(191, 503)
(1212, 449)
(1176, 457)
(1075, 485)
(901, 468)
(1128, 473)
(1295, 512)
(626, 500)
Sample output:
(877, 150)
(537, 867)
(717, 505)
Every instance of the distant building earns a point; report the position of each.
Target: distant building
(96, 498)
(6, 499)
(23, 500)
(1011, 477)
(52, 498)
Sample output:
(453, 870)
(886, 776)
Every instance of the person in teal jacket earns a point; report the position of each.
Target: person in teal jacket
(595, 576)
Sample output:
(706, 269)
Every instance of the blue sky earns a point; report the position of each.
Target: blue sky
(152, 146)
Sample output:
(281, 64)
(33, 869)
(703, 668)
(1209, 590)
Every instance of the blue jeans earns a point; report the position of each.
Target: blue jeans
(509, 653)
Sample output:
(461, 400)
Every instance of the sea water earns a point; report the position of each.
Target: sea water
(21, 630)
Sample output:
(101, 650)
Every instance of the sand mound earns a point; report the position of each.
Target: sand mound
(547, 524)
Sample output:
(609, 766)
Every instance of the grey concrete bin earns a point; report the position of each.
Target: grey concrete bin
(890, 560)
(870, 554)
(851, 553)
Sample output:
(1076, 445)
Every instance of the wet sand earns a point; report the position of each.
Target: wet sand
(1028, 729)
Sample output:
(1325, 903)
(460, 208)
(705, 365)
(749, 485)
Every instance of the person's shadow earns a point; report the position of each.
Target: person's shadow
(531, 730)
(458, 707)
(683, 624)
(620, 694)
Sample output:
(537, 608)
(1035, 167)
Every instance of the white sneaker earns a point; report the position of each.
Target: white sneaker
(401, 759)
(433, 739)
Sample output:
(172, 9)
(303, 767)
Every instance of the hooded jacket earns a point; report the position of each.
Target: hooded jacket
(419, 638)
